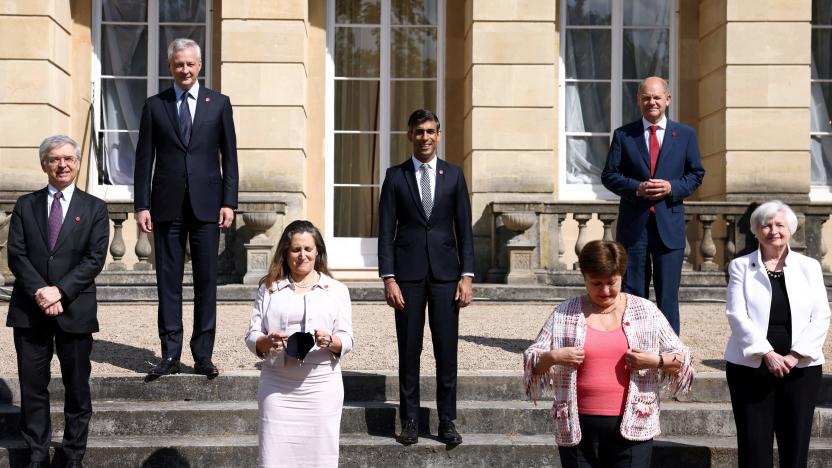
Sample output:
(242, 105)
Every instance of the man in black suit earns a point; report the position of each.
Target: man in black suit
(189, 196)
(426, 257)
(57, 246)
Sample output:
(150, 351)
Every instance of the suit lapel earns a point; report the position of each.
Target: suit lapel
(169, 97)
(410, 176)
(638, 139)
(72, 218)
(40, 215)
(202, 103)
(667, 143)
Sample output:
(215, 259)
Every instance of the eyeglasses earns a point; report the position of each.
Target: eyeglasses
(56, 160)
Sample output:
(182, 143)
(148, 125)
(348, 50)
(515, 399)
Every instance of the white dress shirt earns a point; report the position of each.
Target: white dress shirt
(192, 95)
(66, 197)
(659, 131)
(431, 174)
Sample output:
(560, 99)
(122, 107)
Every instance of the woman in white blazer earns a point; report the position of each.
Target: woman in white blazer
(779, 315)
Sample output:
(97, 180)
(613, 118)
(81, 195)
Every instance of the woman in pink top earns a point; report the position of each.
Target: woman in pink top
(602, 357)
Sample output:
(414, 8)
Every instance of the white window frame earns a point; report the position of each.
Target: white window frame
(362, 252)
(597, 191)
(819, 193)
(124, 193)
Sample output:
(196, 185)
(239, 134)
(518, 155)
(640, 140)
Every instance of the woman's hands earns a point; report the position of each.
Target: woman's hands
(326, 340)
(638, 359)
(276, 341)
(570, 356)
(780, 365)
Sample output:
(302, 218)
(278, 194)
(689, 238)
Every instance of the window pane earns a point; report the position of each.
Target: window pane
(122, 102)
(413, 52)
(588, 12)
(357, 52)
(168, 33)
(588, 54)
(821, 107)
(182, 11)
(821, 12)
(646, 53)
(119, 156)
(124, 10)
(587, 107)
(356, 158)
(406, 97)
(629, 107)
(400, 148)
(585, 158)
(647, 12)
(822, 53)
(355, 212)
(356, 105)
(414, 12)
(358, 11)
(822, 160)
(124, 50)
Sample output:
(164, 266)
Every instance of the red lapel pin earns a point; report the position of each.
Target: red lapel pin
(77, 219)
(673, 134)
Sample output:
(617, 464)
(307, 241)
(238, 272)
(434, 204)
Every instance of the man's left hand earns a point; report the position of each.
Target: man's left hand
(655, 189)
(464, 291)
(226, 217)
(47, 296)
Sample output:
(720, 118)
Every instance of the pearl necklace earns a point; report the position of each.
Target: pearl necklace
(305, 283)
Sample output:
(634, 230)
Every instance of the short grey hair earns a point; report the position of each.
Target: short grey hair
(57, 141)
(183, 43)
(664, 82)
(763, 214)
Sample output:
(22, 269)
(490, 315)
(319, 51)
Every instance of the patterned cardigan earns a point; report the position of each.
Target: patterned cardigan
(645, 328)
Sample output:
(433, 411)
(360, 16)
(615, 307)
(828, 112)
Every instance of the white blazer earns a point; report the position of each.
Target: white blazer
(749, 304)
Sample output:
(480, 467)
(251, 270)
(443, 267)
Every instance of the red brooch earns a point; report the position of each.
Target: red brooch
(77, 219)
(673, 134)
(626, 324)
(326, 286)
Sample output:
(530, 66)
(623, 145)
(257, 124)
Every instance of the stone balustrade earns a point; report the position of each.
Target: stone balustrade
(244, 252)
(716, 232)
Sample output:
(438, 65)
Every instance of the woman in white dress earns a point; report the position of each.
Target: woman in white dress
(301, 394)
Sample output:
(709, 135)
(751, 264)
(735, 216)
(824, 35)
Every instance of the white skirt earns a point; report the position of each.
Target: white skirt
(300, 414)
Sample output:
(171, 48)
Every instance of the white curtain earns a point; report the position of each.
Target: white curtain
(821, 148)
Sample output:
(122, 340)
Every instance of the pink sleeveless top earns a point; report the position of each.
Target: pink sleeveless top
(603, 377)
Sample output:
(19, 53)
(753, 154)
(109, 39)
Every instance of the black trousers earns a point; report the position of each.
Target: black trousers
(765, 406)
(603, 446)
(35, 347)
(443, 318)
(169, 239)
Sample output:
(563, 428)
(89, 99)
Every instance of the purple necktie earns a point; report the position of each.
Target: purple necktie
(56, 218)
(185, 119)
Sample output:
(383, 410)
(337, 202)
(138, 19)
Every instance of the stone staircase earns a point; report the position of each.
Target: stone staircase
(188, 421)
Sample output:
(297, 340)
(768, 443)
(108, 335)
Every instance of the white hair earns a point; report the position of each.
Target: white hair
(183, 43)
(57, 141)
(763, 214)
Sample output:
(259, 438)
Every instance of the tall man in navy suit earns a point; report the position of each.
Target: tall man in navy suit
(426, 258)
(653, 165)
(189, 196)
(57, 246)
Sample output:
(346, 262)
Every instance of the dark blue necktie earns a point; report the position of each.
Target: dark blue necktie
(185, 119)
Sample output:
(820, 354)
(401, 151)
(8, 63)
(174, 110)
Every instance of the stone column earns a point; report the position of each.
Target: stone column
(510, 79)
(35, 76)
(754, 99)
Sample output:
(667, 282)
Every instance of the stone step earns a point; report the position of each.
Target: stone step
(358, 386)
(357, 450)
(123, 418)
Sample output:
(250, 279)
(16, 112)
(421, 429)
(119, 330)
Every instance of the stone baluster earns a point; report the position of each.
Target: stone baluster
(687, 265)
(730, 239)
(4, 218)
(520, 249)
(143, 252)
(707, 247)
(607, 219)
(822, 248)
(583, 237)
(561, 245)
(117, 247)
(258, 249)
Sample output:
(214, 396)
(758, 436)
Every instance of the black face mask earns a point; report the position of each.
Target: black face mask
(299, 344)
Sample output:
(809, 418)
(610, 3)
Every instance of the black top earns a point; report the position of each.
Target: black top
(780, 317)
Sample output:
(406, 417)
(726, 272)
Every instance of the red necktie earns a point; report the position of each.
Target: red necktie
(654, 154)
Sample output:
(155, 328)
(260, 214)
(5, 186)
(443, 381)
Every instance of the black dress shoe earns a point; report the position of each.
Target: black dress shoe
(207, 369)
(74, 464)
(410, 432)
(168, 366)
(448, 433)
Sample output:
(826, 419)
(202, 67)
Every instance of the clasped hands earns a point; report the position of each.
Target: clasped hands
(653, 189)
(48, 299)
(780, 365)
(277, 341)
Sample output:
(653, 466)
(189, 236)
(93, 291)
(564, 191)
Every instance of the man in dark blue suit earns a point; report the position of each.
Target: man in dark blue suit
(189, 195)
(426, 258)
(653, 165)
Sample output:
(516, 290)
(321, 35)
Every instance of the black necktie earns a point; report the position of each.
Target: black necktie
(185, 119)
